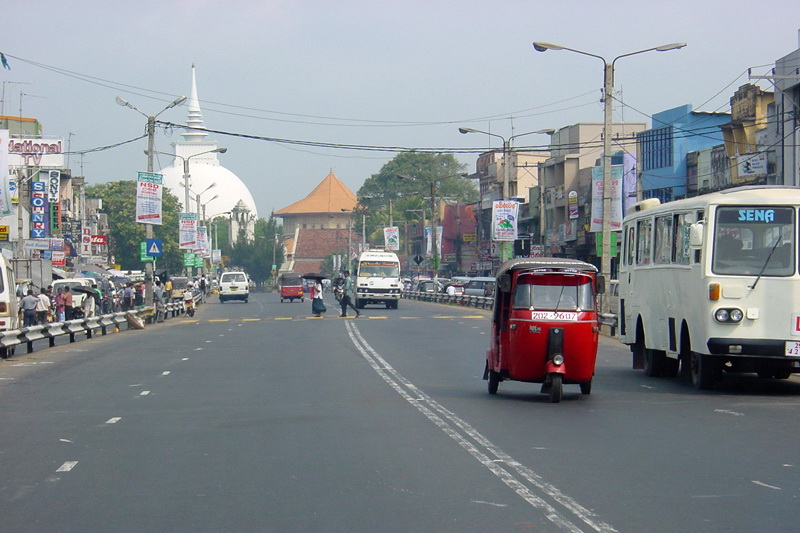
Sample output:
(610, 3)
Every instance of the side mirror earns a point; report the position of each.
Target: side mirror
(696, 234)
(504, 283)
(600, 281)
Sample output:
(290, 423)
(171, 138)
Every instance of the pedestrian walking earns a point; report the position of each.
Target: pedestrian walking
(28, 305)
(160, 302)
(317, 305)
(69, 311)
(127, 297)
(348, 294)
(42, 308)
(58, 302)
(203, 287)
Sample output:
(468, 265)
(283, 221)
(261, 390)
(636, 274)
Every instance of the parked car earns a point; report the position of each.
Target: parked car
(477, 286)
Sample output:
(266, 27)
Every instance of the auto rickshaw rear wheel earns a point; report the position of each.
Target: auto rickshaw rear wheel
(494, 381)
(586, 387)
(556, 388)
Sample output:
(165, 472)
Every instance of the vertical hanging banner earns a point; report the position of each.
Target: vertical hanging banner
(597, 199)
(187, 231)
(439, 231)
(148, 198)
(39, 210)
(391, 237)
(53, 183)
(504, 220)
(201, 243)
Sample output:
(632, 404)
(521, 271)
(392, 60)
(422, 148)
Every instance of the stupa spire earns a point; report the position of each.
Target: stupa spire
(195, 117)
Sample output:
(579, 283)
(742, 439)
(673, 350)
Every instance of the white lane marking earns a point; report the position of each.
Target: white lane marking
(165, 373)
(429, 407)
(144, 393)
(765, 485)
(34, 363)
(185, 359)
(490, 503)
(113, 420)
(67, 466)
(65, 440)
(734, 413)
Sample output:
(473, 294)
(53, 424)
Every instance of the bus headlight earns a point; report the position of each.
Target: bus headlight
(728, 316)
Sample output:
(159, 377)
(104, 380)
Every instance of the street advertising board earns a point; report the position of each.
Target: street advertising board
(36, 152)
(572, 201)
(187, 231)
(428, 245)
(149, 188)
(597, 199)
(391, 238)
(201, 245)
(58, 258)
(751, 166)
(53, 183)
(504, 220)
(39, 210)
(216, 257)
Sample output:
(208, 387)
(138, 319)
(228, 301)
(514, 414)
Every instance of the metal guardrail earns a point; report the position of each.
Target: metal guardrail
(11, 339)
(479, 302)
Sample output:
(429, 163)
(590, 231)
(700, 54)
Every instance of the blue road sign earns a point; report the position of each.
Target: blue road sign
(155, 247)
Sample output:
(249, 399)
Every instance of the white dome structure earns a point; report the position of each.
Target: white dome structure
(206, 176)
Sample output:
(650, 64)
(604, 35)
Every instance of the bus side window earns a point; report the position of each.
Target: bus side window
(644, 241)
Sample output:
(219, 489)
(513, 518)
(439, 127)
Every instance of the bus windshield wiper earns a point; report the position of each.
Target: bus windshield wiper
(763, 268)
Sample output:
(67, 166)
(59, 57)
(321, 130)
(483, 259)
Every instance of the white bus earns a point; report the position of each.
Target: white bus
(378, 279)
(710, 284)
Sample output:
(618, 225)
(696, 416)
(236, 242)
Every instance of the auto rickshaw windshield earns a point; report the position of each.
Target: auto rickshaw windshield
(554, 292)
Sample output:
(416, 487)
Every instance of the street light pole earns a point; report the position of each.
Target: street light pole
(186, 178)
(504, 249)
(608, 95)
(151, 134)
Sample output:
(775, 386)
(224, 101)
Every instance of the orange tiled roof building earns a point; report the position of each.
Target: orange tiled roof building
(318, 225)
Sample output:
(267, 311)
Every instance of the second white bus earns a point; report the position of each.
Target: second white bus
(710, 284)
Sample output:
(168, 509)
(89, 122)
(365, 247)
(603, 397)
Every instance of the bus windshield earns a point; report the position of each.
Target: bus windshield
(378, 269)
(750, 239)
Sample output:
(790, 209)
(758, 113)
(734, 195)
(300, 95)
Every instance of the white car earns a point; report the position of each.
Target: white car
(234, 286)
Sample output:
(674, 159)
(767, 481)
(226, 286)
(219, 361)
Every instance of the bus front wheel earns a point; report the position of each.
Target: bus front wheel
(706, 369)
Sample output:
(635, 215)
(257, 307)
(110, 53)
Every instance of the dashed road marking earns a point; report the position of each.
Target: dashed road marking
(113, 420)
(67, 466)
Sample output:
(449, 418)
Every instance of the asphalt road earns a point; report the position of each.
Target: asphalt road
(256, 417)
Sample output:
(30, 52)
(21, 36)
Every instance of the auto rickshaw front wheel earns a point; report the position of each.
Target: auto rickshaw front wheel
(556, 388)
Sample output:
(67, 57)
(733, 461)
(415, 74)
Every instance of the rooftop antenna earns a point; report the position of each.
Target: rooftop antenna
(3, 96)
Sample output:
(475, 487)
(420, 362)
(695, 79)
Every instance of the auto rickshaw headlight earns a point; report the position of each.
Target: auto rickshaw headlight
(558, 359)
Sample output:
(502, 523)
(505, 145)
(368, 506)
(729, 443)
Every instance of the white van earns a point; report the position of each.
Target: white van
(234, 286)
(9, 306)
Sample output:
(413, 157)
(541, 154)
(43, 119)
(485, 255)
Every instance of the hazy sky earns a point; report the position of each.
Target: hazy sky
(366, 73)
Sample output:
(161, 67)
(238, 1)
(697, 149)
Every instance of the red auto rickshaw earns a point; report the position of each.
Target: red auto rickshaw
(291, 287)
(544, 324)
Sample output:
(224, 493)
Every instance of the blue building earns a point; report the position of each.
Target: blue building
(662, 149)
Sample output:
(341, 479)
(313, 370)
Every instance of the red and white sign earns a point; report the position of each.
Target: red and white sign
(99, 239)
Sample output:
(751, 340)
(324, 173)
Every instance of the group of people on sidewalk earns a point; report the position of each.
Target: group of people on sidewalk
(43, 307)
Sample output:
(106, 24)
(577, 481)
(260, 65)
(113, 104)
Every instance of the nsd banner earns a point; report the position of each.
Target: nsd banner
(504, 220)
(391, 238)
(187, 231)
(148, 198)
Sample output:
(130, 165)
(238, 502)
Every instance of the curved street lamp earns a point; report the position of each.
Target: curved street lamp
(608, 93)
(151, 133)
(504, 249)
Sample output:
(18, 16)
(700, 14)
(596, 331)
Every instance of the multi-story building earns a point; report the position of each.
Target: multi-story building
(787, 109)
(663, 149)
(566, 178)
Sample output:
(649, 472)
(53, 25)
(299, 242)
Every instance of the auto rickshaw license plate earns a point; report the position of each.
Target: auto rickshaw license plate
(792, 348)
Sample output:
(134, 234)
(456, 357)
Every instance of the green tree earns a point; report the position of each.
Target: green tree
(385, 188)
(255, 256)
(119, 204)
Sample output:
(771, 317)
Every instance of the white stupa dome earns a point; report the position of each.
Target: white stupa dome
(229, 188)
(204, 169)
